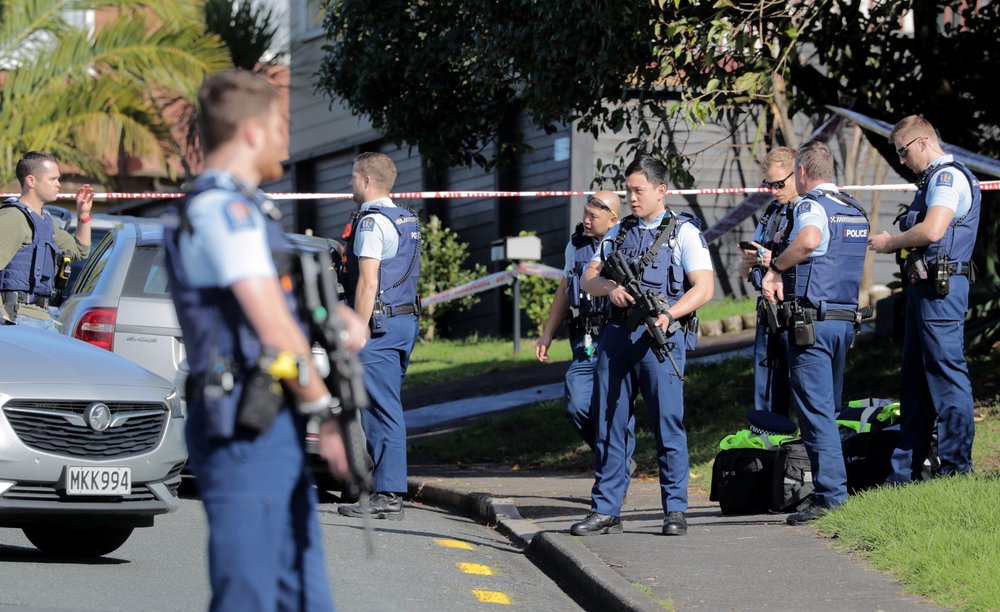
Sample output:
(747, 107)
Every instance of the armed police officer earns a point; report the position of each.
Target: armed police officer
(769, 365)
(32, 248)
(938, 231)
(817, 277)
(383, 265)
(245, 439)
(662, 273)
(587, 314)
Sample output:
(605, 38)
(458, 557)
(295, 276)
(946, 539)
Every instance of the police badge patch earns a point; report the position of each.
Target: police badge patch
(367, 224)
(238, 216)
(945, 179)
(804, 207)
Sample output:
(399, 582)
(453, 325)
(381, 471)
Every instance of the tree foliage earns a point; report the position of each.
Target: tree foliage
(77, 92)
(247, 29)
(447, 76)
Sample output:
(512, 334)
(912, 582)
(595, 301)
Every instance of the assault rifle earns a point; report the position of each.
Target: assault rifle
(647, 307)
(318, 298)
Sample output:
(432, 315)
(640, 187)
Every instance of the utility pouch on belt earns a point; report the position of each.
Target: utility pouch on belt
(915, 267)
(803, 329)
(260, 401)
(942, 276)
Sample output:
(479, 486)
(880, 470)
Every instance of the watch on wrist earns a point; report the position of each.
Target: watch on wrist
(775, 267)
(85, 218)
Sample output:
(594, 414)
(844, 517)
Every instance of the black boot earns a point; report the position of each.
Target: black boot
(675, 524)
(596, 523)
(380, 506)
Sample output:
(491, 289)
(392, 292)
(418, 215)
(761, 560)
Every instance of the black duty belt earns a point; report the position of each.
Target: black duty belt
(956, 268)
(42, 301)
(852, 316)
(402, 309)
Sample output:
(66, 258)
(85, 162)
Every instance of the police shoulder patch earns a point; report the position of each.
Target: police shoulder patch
(803, 207)
(367, 224)
(238, 216)
(945, 178)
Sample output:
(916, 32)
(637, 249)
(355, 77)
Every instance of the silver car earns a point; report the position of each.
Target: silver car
(120, 302)
(91, 445)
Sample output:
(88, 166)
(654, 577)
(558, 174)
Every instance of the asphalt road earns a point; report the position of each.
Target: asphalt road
(432, 560)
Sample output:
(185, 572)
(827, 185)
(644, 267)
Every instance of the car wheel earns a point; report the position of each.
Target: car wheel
(77, 540)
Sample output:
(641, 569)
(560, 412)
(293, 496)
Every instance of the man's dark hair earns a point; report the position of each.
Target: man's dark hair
(228, 98)
(31, 163)
(653, 169)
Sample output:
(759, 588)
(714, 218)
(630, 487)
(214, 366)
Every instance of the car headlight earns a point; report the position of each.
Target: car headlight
(176, 405)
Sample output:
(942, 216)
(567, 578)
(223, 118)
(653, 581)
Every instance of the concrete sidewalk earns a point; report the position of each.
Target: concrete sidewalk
(723, 563)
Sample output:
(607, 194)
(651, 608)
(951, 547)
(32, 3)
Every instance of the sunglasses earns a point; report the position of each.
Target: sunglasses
(901, 151)
(777, 184)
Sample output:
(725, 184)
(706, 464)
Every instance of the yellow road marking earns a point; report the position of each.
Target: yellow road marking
(491, 596)
(454, 544)
(475, 568)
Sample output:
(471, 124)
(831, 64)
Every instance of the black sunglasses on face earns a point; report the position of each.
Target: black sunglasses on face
(777, 184)
(902, 151)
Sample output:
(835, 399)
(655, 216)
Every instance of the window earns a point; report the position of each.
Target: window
(94, 266)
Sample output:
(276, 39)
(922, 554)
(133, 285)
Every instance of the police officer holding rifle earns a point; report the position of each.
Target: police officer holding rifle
(660, 272)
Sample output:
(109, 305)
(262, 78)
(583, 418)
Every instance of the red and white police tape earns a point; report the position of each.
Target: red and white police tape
(452, 195)
(497, 279)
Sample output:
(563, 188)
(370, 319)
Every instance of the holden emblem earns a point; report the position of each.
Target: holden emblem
(98, 416)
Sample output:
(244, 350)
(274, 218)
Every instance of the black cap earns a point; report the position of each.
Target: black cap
(764, 422)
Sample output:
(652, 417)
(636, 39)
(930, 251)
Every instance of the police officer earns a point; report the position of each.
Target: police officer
(222, 257)
(769, 366)
(939, 232)
(383, 264)
(673, 260)
(817, 276)
(587, 314)
(32, 247)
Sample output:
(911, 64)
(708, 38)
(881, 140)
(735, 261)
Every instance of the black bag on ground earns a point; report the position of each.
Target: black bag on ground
(741, 480)
(867, 456)
(791, 483)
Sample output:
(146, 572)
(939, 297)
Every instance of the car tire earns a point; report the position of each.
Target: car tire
(77, 540)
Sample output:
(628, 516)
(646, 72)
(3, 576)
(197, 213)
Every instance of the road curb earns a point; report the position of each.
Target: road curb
(560, 553)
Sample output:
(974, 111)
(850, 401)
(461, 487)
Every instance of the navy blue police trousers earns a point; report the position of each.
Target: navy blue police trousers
(385, 359)
(816, 374)
(626, 365)
(265, 549)
(934, 382)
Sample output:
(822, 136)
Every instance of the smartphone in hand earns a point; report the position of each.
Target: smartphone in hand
(746, 246)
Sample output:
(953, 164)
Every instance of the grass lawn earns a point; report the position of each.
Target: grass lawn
(939, 538)
(720, 309)
(447, 360)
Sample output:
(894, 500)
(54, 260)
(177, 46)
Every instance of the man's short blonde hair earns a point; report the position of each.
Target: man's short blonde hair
(379, 167)
(780, 157)
(912, 127)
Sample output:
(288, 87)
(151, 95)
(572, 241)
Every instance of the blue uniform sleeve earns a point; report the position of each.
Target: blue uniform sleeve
(809, 213)
(692, 250)
(229, 239)
(376, 237)
(950, 188)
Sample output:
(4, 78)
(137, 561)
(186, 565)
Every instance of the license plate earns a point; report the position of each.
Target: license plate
(98, 480)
